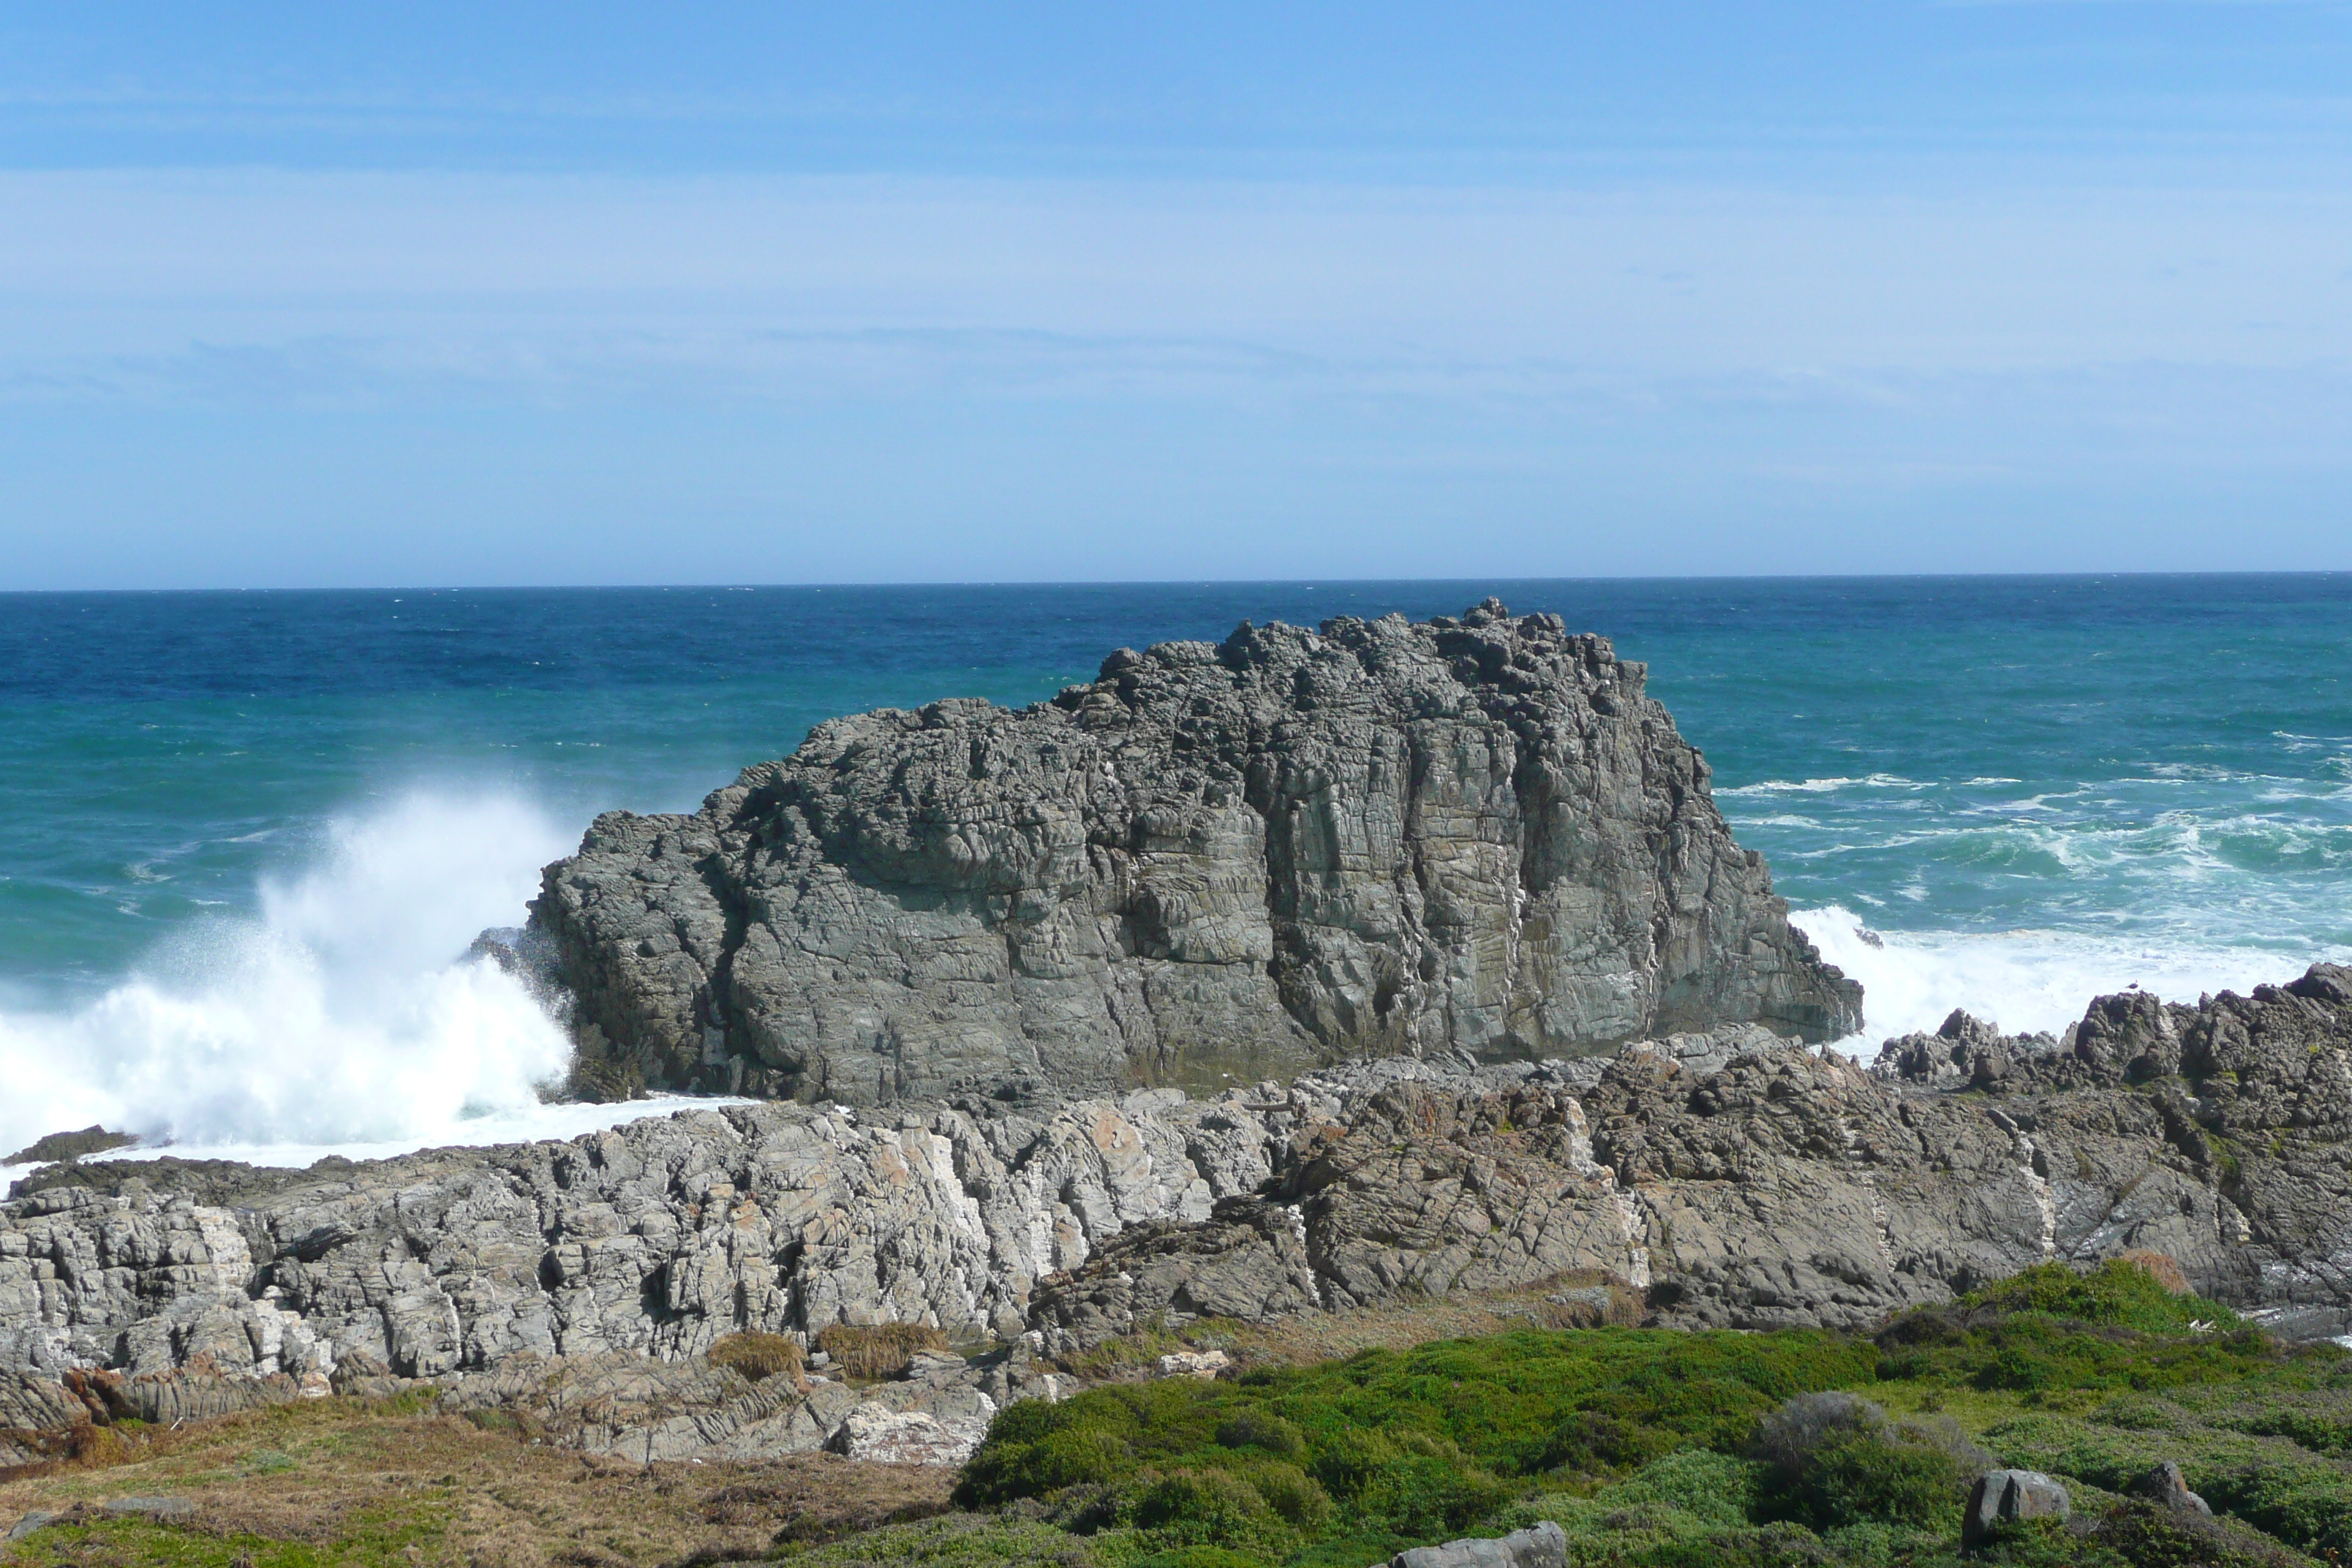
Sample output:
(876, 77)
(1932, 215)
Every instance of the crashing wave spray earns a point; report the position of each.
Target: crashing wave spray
(2024, 981)
(341, 1014)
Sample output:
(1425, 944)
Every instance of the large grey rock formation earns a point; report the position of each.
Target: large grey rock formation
(1218, 862)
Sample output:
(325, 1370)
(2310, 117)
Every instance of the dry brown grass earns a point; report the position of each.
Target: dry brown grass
(878, 1350)
(758, 1356)
(2160, 1268)
(342, 1480)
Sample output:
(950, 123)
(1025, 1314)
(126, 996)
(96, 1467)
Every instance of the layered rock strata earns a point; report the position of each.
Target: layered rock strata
(1737, 1179)
(1215, 863)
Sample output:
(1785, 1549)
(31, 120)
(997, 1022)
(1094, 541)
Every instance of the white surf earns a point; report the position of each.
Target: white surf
(2024, 981)
(341, 1019)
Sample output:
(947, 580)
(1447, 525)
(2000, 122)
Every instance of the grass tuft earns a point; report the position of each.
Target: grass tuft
(758, 1356)
(878, 1350)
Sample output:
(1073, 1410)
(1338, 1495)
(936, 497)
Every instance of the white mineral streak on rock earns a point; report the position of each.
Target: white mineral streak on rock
(1631, 1227)
(2045, 1204)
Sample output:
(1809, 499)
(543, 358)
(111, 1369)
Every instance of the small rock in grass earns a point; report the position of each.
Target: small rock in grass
(29, 1523)
(152, 1506)
(2166, 1486)
(1195, 1364)
(2000, 1496)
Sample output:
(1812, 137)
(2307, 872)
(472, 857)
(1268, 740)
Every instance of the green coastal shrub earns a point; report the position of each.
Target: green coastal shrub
(1261, 1429)
(1348, 1461)
(1292, 1494)
(2032, 1352)
(1683, 1496)
(1658, 1449)
(2118, 1293)
(1211, 1508)
(1833, 1460)
(1426, 1437)
(1878, 1479)
(2305, 1499)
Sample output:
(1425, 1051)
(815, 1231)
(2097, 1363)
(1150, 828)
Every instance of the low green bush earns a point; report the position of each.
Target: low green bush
(2322, 1432)
(1292, 1494)
(2117, 1294)
(1211, 1508)
(1261, 1429)
(1834, 1460)
(1870, 1479)
(961, 1541)
(1639, 1442)
(2303, 1498)
(2030, 1351)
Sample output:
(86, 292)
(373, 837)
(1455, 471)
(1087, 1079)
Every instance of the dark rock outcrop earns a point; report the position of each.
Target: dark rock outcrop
(1217, 862)
(69, 1146)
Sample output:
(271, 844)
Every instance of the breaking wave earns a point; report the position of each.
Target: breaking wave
(2022, 980)
(342, 1018)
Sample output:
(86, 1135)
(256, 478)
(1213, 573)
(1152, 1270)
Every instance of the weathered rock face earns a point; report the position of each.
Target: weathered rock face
(1216, 863)
(1739, 1180)
(1754, 1186)
(652, 1240)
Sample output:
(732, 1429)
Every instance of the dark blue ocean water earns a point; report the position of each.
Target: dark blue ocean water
(2029, 787)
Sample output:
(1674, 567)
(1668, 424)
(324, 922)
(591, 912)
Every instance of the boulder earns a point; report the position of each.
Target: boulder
(1543, 1546)
(1214, 863)
(1195, 1364)
(2005, 1496)
(894, 1437)
(2169, 1488)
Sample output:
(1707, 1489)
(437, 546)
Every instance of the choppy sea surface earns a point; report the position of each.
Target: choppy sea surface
(248, 834)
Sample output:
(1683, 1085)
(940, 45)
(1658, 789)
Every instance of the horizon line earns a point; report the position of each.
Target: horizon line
(1106, 583)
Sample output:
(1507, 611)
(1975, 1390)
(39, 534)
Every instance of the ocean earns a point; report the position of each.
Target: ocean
(250, 835)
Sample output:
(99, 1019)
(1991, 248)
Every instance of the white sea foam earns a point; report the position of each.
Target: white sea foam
(341, 1019)
(1820, 786)
(2025, 980)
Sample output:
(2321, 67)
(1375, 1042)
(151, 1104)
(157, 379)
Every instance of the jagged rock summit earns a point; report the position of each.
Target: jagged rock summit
(1215, 863)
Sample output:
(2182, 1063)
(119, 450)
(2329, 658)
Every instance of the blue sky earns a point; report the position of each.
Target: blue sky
(598, 293)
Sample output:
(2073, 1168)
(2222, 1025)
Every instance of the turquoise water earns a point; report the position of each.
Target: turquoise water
(246, 832)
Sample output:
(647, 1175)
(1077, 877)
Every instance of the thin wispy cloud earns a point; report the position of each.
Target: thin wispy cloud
(1623, 287)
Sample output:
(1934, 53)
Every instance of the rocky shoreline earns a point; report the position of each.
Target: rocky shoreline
(1723, 1179)
(1440, 973)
